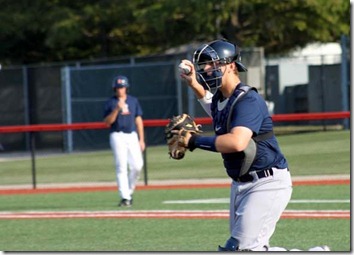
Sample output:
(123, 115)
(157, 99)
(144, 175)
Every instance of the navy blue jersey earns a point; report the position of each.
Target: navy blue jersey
(125, 121)
(250, 111)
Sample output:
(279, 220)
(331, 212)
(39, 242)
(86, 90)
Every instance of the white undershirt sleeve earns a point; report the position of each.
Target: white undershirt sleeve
(205, 102)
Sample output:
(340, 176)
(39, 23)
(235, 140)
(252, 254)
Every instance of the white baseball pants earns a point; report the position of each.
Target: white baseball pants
(256, 207)
(127, 153)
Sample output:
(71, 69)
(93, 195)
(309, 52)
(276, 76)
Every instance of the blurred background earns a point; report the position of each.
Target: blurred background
(58, 59)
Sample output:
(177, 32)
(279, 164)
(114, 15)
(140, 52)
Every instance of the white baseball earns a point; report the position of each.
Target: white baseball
(184, 69)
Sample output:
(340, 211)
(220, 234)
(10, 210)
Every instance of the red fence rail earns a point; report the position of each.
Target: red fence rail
(161, 122)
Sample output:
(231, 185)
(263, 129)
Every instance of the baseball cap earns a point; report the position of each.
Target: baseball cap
(120, 81)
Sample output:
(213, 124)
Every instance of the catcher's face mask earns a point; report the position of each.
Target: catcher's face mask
(208, 67)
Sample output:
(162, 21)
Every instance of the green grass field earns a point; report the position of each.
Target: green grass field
(315, 153)
(308, 154)
(160, 234)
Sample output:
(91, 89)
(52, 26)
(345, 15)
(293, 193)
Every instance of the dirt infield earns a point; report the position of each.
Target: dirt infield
(166, 184)
(169, 214)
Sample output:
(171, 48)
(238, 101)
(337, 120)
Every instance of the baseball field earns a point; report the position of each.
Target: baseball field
(184, 207)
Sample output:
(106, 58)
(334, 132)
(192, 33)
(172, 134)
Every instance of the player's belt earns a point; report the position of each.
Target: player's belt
(125, 132)
(260, 174)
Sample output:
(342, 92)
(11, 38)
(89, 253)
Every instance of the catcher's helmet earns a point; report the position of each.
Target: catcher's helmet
(120, 81)
(215, 52)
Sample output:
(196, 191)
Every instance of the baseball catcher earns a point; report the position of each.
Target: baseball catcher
(175, 132)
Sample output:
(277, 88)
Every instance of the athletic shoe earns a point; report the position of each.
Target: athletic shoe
(320, 248)
(125, 203)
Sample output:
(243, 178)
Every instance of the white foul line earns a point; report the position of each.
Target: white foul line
(227, 200)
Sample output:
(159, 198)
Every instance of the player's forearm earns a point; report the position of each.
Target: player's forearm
(141, 134)
(140, 128)
(111, 117)
(198, 89)
(235, 141)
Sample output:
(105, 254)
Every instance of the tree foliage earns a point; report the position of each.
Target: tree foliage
(57, 30)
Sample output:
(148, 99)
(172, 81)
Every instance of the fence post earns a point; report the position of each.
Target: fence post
(26, 103)
(178, 89)
(145, 167)
(66, 99)
(33, 158)
(344, 80)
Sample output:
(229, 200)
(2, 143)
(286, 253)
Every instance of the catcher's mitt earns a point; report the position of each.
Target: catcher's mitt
(175, 132)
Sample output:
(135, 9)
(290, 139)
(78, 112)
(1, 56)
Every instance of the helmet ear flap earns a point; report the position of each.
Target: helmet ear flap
(240, 67)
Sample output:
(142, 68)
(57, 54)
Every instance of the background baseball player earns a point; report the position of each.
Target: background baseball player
(261, 183)
(123, 113)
